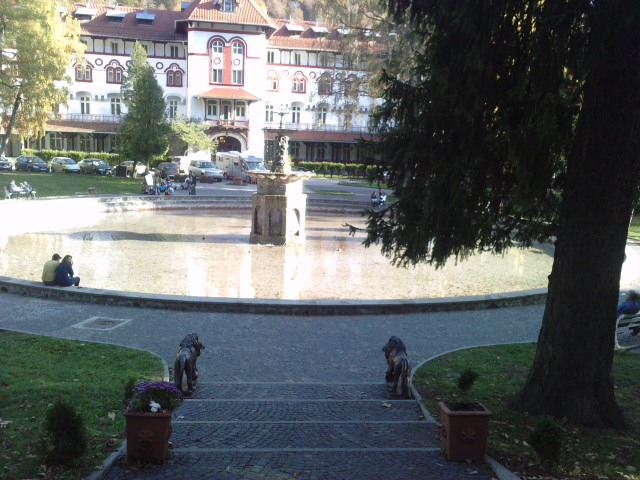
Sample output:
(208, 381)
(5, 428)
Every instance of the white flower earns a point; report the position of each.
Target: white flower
(155, 406)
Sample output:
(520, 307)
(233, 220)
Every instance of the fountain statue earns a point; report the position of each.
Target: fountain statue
(278, 213)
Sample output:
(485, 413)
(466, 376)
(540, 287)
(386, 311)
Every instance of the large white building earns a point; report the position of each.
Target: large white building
(225, 63)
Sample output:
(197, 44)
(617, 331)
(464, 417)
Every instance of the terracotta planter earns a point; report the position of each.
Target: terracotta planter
(148, 436)
(464, 433)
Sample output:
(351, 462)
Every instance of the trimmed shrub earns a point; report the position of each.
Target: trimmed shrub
(66, 432)
(546, 440)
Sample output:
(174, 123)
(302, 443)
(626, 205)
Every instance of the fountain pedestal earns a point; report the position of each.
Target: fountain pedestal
(279, 206)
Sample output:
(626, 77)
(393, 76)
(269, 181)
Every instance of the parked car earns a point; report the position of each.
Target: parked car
(141, 168)
(5, 164)
(64, 165)
(206, 168)
(95, 165)
(31, 163)
(167, 170)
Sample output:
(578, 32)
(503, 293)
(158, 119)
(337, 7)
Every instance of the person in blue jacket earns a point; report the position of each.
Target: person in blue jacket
(630, 305)
(64, 273)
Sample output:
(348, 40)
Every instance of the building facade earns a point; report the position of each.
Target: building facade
(223, 63)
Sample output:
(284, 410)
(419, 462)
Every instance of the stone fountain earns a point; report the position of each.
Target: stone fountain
(279, 206)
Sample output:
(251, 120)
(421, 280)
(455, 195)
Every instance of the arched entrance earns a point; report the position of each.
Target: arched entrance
(227, 143)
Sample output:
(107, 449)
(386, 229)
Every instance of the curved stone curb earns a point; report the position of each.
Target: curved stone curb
(29, 288)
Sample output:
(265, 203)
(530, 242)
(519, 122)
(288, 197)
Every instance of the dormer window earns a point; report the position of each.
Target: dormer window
(145, 18)
(294, 29)
(116, 16)
(227, 5)
(319, 31)
(84, 14)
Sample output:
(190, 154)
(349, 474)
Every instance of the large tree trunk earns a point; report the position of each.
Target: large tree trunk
(571, 374)
(12, 121)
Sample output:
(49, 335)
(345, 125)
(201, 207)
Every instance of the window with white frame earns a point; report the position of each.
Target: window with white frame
(294, 149)
(216, 47)
(174, 51)
(272, 83)
(271, 56)
(83, 73)
(227, 5)
(85, 143)
(295, 114)
(114, 47)
(297, 58)
(172, 108)
(212, 108)
(114, 73)
(299, 85)
(85, 105)
(237, 77)
(216, 75)
(116, 106)
(55, 141)
(268, 113)
(241, 110)
(174, 76)
(322, 116)
(325, 85)
(238, 48)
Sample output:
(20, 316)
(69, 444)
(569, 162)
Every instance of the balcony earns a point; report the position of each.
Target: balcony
(85, 118)
(314, 127)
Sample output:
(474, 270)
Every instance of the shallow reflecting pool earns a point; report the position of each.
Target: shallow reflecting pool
(207, 253)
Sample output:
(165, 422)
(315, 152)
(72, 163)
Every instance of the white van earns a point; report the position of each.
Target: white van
(238, 165)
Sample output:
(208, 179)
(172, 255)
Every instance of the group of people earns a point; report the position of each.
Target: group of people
(378, 198)
(24, 189)
(630, 305)
(59, 273)
(190, 183)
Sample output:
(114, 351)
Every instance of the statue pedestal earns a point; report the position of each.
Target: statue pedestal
(279, 206)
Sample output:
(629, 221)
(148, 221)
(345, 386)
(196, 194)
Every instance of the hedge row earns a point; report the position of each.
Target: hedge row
(350, 170)
(47, 155)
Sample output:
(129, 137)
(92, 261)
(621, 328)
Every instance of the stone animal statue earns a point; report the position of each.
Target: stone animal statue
(398, 366)
(185, 363)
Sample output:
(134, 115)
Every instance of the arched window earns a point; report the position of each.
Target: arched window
(216, 47)
(114, 72)
(174, 76)
(325, 85)
(238, 48)
(299, 85)
(273, 82)
(83, 72)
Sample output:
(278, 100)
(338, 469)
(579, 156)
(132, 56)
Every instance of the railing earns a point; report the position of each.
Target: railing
(316, 128)
(85, 118)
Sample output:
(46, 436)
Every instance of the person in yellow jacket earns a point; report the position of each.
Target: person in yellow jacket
(49, 270)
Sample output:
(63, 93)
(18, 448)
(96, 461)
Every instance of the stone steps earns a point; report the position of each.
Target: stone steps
(346, 431)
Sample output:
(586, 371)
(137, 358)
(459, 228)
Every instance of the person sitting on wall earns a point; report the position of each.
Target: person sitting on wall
(64, 273)
(49, 270)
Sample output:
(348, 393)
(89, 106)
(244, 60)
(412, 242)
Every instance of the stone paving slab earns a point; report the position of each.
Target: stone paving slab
(292, 435)
(290, 391)
(392, 464)
(299, 411)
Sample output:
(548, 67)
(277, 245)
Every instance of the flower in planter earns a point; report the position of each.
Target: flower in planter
(154, 397)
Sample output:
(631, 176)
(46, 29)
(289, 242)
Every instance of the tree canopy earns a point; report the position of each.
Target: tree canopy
(36, 48)
(145, 129)
(520, 122)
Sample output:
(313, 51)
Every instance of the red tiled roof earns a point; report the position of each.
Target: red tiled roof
(229, 94)
(163, 27)
(246, 13)
(307, 39)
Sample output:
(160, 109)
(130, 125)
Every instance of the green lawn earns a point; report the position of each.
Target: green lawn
(38, 372)
(634, 228)
(65, 184)
(588, 453)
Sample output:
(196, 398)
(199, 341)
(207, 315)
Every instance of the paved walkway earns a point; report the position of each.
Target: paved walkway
(287, 396)
(284, 397)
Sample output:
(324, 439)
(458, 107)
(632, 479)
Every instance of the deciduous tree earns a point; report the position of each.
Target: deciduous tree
(36, 48)
(522, 120)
